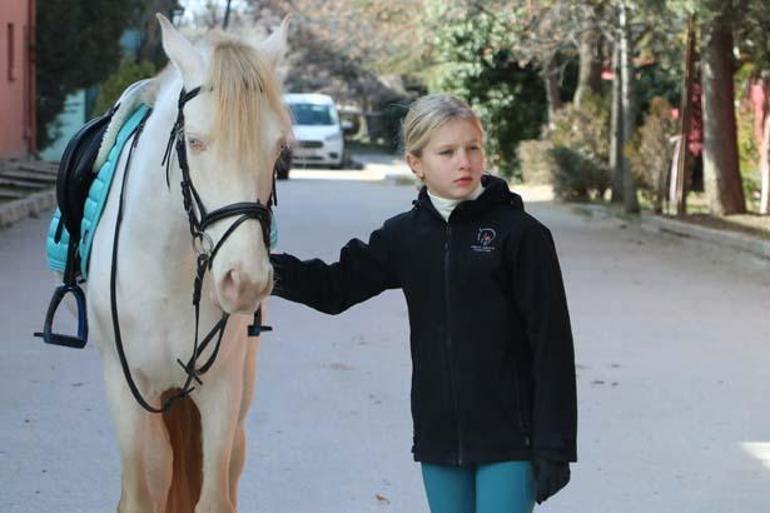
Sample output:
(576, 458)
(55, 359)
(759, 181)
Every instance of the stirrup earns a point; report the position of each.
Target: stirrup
(48, 336)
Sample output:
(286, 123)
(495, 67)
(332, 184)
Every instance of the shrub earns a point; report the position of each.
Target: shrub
(472, 48)
(651, 151)
(581, 149)
(537, 163)
(393, 113)
(127, 73)
(748, 150)
(577, 177)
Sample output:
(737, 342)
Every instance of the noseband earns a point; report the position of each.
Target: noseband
(199, 220)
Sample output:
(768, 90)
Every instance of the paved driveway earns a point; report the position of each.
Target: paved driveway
(672, 341)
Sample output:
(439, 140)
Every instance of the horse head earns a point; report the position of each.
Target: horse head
(234, 130)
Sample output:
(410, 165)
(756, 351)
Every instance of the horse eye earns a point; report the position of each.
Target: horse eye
(196, 144)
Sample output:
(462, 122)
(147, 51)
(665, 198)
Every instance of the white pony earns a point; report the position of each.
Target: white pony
(189, 458)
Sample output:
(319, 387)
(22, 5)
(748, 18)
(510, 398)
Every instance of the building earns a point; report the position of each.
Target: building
(17, 78)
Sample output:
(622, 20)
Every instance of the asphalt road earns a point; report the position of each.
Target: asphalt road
(672, 343)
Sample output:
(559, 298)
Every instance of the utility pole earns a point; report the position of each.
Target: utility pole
(226, 21)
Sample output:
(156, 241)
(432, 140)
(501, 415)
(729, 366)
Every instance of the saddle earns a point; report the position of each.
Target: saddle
(78, 170)
(76, 174)
(84, 156)
(73, 181)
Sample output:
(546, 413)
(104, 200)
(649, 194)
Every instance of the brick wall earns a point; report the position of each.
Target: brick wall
(17, 78)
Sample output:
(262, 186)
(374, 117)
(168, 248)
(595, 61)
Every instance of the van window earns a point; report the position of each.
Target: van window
(309, 114)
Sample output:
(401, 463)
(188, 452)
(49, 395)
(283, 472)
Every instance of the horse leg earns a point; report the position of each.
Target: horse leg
(238, 455)
(219, 402)
(144, 447)
(237, 459)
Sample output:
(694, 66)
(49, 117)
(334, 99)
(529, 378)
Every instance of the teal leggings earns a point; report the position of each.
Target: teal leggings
(506, 487)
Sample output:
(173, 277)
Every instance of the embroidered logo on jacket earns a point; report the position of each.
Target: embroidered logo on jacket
(484, 239)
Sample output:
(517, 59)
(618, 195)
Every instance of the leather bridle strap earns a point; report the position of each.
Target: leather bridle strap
(249, 210)
(218, 330)
(246, 211)
(113, 293)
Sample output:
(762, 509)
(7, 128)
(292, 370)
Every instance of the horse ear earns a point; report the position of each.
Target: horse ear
(180, 51)
(274, 47)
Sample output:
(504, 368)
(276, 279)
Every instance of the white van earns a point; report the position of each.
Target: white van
(317, 130)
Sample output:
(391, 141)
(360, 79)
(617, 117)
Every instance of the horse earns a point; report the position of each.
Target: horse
(220, 101)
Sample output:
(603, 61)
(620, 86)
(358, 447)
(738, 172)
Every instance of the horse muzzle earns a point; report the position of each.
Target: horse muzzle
(241, 290)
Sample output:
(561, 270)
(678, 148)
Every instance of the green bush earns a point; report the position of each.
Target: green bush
(536, 162)
(127, 73)
(471, 48)
(581, 149)
(577, 177)
(651, 150)
(393, 112)
(748, 150)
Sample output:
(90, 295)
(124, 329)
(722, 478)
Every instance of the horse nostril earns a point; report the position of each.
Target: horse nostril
(240, 290)
(231, 284)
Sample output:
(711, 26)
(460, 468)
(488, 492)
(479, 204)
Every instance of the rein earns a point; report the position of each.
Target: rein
(199, 219)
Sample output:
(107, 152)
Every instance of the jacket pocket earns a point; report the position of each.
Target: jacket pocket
(510, 401)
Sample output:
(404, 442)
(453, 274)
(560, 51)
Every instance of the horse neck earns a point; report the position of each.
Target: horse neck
(158, 219)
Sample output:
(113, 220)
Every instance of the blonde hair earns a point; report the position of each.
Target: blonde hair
(244, 84)
(429, 113)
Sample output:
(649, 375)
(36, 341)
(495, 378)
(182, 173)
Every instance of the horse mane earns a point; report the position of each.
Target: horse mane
(243, 83)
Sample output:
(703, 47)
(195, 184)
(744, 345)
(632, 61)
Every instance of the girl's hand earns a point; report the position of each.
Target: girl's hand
(550, 477)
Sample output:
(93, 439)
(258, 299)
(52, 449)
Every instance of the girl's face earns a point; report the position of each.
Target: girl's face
(452, 162)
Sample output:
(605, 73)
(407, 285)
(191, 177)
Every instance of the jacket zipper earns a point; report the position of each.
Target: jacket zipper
(450, 354)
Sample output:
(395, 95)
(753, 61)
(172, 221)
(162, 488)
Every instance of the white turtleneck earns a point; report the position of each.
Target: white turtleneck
(445, 206)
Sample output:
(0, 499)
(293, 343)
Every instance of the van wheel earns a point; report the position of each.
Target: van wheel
(344, 161)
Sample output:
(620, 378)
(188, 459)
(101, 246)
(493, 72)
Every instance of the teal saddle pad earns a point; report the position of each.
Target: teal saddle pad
(94, 205)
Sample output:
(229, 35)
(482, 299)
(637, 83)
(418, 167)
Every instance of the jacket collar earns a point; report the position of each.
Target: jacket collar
(496, 192)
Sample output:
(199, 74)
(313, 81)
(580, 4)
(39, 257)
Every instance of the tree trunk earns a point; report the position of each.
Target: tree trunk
(590, 75)
(679, 182)
(764, 169)
(616, 130)
(630, 201)
(551, 76)
(151, 48)
(721, 174)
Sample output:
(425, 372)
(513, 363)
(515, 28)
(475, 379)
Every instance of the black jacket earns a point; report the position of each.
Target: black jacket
(493, 363)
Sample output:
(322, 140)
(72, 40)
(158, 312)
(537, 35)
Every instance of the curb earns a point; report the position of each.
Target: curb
(660, 224)
(738, 241)
(30, 206)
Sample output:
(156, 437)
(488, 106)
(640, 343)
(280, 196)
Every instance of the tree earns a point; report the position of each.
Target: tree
(545, 34)
(554, 27)
(77, 47)
(474, 57)
(591, 53)
(626, 104)
(382, 37)
(151, 48)
(754, 45)
(641, 36)
(721, 173)
(127, 73)
(346, 48)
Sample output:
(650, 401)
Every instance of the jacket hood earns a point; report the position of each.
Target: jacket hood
(496, 192)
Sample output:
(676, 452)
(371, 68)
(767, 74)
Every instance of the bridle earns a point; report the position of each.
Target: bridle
(199, 220)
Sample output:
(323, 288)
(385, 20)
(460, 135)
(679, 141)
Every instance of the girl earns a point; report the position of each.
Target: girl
(493, 384)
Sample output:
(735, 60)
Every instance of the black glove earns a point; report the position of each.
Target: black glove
(550, 477)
